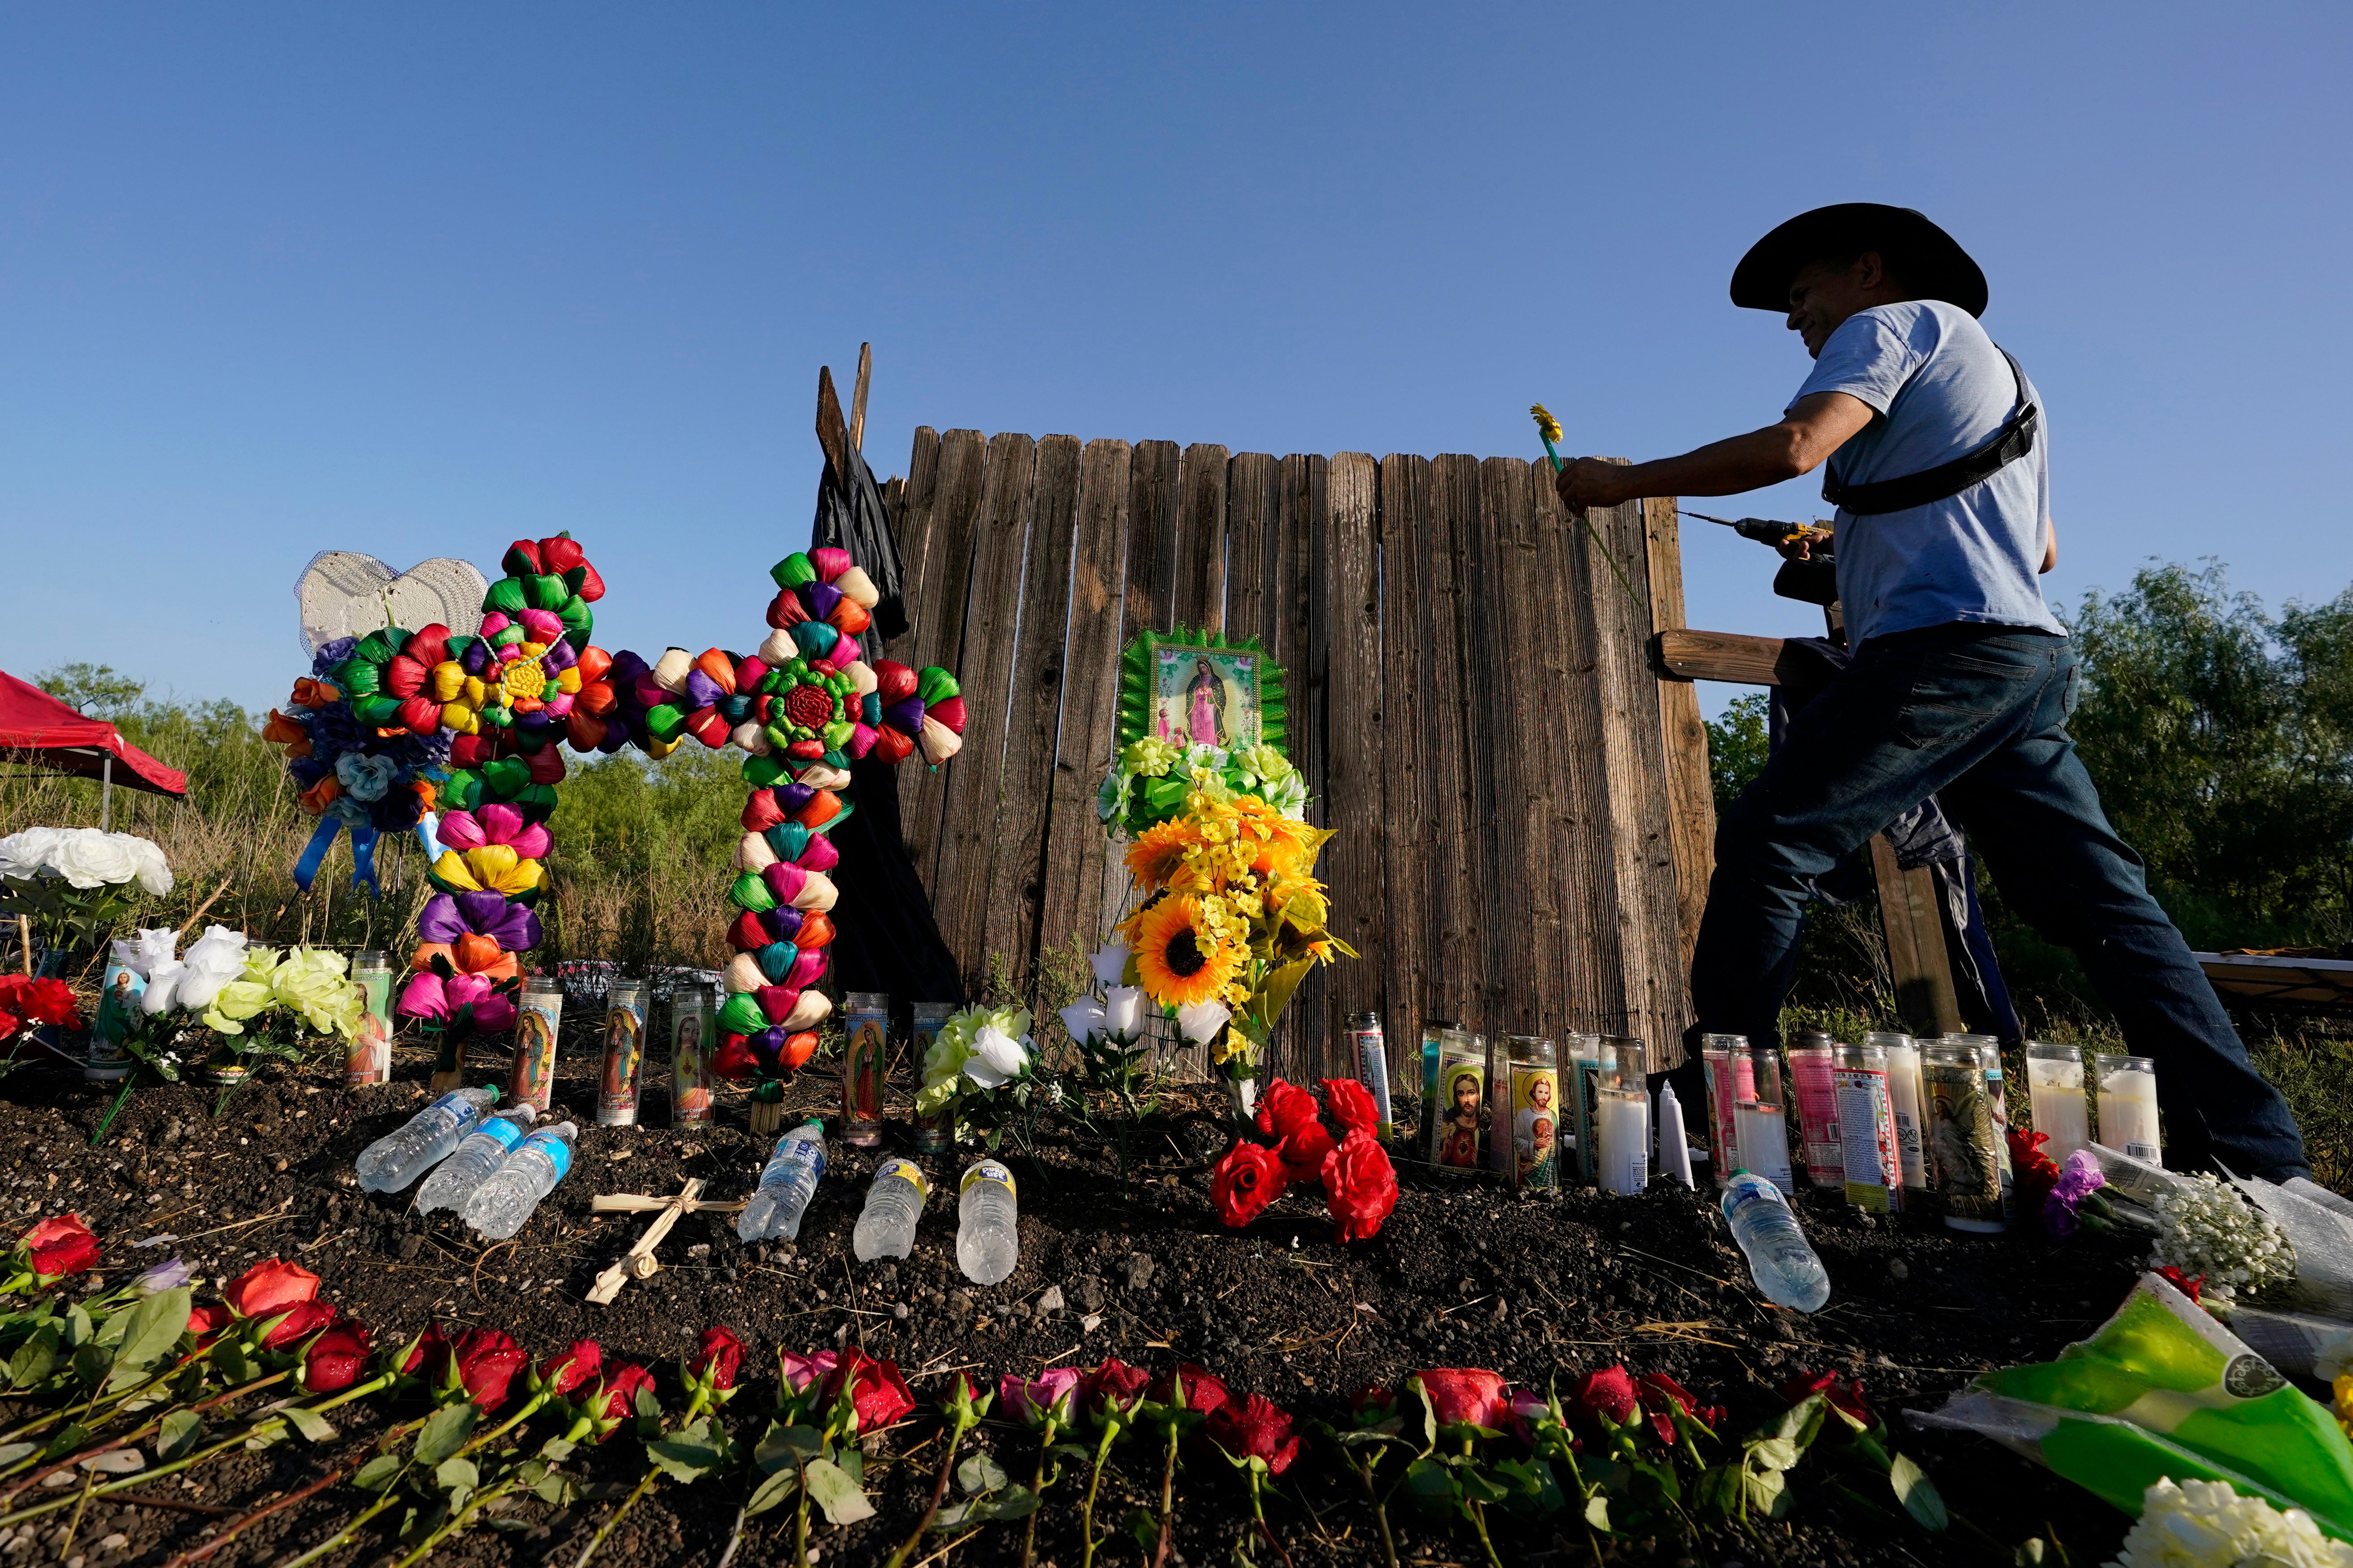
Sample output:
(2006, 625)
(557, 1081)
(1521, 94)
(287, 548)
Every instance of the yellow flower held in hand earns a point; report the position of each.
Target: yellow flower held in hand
(1546, 426)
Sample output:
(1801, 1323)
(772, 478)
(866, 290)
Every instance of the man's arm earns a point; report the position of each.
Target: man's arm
(2050, 544)
(1816, 427)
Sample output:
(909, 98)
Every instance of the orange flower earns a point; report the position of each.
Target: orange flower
(280, 731)
(319, 796)
(309, 693)
(1178, 959)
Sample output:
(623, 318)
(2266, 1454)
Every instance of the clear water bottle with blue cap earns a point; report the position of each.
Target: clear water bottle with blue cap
(483, 1151)
(1780, 1259)
(502, 1204)
(399, 1157)
(786, 1184)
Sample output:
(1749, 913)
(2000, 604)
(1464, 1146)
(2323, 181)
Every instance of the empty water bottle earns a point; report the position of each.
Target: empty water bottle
(1779, 1259)
(786, 1183)
(887, 1227)
(505, 1200)
(988, 1245)
(398, 1158)
(484, 1150)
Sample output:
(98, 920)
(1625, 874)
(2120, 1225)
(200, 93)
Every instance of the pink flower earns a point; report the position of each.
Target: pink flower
(493, 824)
(1028, 1400)
(435, 1000)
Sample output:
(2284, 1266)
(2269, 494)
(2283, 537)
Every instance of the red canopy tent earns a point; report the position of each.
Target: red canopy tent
(36, 728)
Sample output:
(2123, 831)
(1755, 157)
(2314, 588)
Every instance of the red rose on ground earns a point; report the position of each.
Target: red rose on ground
(206, 1322)
(335, 1360)
(1374, 1405)
(1247, 1179)
(428, 1355)
(1465, 1397)
(877, 1393)
(1359, 1186)
(1254, 1429)
(569, 1368)
(2188, 1284)
(61, 1246)
(718, 1354)
(47, 1001)
(1662, 1396)
(2033, 1169)
(1115, 1379)
(488, 1360)
(268, 1288)
(1609, 1393)
(1845, 1393)
(616, 1399)
(1352, 1104)
(1303, 1151)
(300, 1321)
(1204, 1392)
(1286, 1108)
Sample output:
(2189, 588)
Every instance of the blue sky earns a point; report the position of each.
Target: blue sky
(414, 280)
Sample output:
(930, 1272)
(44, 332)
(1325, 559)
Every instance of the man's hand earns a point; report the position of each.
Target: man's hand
(1588, 481)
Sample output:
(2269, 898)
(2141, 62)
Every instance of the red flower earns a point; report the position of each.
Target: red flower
(1375, 1405)
(268, 1288)
(1352, 1104)
(616, 1399)
(206, 1322)
(1203, 1391)
(28, 1001)
(428, 1355)
(877, 1393)
(1846, 1394)
(1254, 1429)
(1247, 1179)
(301, 1319)
(568, 1369)
(2187, 1284)
(1465, 1397)
(717, 1356)
(2032, 1169)
(1608, 1395)
(1115, 1379)
(1662, 1396)
(487, 1360)
(335, 1360)
(61, 1246)
(1360, 1185)
(1303, 1151)
(1285, 1107)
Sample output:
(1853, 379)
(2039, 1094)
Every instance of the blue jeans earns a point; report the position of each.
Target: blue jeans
(1977, 716)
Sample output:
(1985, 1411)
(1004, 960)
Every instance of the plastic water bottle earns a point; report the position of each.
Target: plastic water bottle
(987, 1245)
(786, 1183)
(1779, 1259)
(505, 1200)
(887, 1227)
(486, 1148)
(398, 1158)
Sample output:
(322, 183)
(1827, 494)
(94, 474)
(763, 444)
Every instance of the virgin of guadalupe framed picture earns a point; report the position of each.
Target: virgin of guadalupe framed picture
(1192, 688)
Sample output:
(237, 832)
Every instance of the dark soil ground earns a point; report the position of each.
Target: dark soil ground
(1461, 1276)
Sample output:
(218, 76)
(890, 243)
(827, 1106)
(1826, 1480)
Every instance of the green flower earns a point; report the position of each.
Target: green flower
(312, 983)
(945, 1078)
(239, 1001)
(1149, 757)
(1262, 766)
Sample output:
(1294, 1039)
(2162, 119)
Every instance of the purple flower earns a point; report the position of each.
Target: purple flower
(168, 1275)
(2078, 1180)
(330, 653)
(446, 918)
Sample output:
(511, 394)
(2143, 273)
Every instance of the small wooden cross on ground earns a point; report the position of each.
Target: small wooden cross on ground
(640, 1262)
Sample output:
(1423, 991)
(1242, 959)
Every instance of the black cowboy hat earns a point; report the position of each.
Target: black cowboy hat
(1923, 258)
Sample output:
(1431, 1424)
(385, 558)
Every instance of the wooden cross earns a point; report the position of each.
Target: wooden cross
(640, 1262)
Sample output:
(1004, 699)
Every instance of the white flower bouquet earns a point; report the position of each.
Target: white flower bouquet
(2205, 1226)
(76, 883)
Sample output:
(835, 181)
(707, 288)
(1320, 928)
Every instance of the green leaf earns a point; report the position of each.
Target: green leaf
(783, 1445)
(65, 1440)
(78, 1329)
(555, 1489)
(1431, 1482)
(1773, 1453)
(981, 1473)
(649, 1408)
(852, 1461)
(1917, 1493)
(235, 1366)
(833, 1491)
(779, 1485)
(446, 1431)
(1140, 1524)
(37, 1358)
(1597, 1511)
(309, 1423)
(378, 1473)
(1768, 1492)
(452, 1473)
(557, 1450)
(686, 1455)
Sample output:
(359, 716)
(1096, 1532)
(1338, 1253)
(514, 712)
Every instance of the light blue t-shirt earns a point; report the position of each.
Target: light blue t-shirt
(1941, 390)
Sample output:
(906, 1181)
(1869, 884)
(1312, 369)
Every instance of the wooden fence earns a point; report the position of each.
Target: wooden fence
(1523, 806)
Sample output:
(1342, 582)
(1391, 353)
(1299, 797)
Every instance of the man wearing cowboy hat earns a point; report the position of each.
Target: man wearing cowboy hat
(1962, 678)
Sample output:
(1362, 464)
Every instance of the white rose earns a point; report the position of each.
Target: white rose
(26, 855)
(218, 958)
(89, 859)
(149, 953)
(996, 1057)
(154, 873)
(1083, 1017)
(1110, 964)
(1200, 1021)
(1124, 1012)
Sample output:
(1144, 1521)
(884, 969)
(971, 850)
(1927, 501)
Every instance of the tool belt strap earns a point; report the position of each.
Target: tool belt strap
(2005, 447)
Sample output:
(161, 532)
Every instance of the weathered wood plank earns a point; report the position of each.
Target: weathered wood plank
(1294, 629)
(1683, 653)
(943, 483)
(1595, 945)
(1253, 507)
(973, 796)
(1200, 561)
(1411, 826)
(1691, 796)
(1452, 722)
(1354, 789)
(909, 503)
(1518, 656)
(1152, 564)
(1033, 719)
(1078, 857)
(1918, 961)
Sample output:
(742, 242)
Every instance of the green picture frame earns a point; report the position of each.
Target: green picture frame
(1189, 687)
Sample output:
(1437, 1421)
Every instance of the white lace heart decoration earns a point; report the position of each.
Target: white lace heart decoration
(344, 593)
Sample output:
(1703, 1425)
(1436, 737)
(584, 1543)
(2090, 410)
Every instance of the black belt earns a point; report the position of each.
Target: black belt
(2006, 444)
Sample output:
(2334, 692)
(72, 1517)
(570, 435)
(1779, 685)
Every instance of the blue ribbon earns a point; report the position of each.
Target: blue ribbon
(428, 834)
(323, 838)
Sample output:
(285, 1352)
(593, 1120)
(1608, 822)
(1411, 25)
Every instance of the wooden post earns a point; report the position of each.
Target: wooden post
(857, 398)
(1916, 959)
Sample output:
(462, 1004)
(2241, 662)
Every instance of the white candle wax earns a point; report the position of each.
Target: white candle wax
(2128, 1114)
(2061, 1114)
(1903, 1099)
(1765, 1144)
(1625, 1140)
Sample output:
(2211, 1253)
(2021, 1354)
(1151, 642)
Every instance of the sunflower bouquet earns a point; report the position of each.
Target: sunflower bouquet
(1232, 921)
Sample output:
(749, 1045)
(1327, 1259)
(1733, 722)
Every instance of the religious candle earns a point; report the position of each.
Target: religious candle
(625, 1054)
(1731, 1078)
(866, 1026)
(1867, 1155)
(531, 1080)
(693, 1037)
(1624, 1135)
(2054, 1097)
(933, 1133)
(2128, 1105)
(369, 1060)
(1817, 1096)
(1904, 1103)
